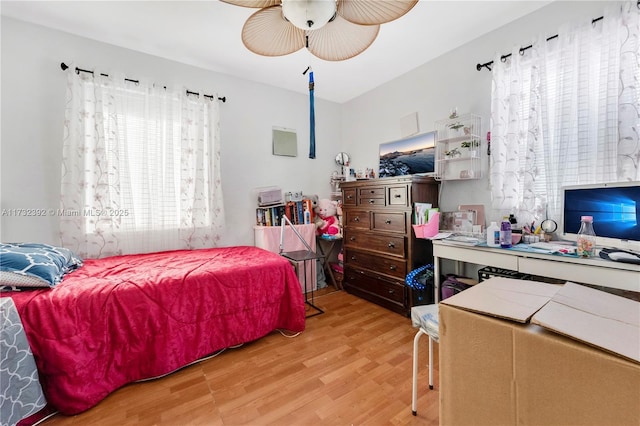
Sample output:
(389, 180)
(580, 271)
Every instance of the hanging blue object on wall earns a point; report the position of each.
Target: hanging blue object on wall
(312, 119)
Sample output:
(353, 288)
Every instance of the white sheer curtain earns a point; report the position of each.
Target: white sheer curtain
(566, 112)
(140, 168)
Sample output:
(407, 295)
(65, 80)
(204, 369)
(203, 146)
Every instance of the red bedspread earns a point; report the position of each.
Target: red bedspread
(126, 318)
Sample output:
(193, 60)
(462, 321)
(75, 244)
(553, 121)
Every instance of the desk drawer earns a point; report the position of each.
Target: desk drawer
(478, 256)
(386, 244)
(391, 266)
(587, 274)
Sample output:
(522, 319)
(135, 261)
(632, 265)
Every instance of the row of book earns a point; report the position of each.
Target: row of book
(298, 213)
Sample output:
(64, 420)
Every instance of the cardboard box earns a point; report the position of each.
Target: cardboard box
(531, 353)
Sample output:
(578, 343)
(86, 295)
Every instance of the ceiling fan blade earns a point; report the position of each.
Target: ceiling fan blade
(373, 12)
(267, 33)
(253, 3)
(341, 39)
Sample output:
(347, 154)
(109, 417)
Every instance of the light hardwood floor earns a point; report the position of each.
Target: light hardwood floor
(351, 366)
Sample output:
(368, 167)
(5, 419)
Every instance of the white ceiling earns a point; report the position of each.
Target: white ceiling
(207, 34)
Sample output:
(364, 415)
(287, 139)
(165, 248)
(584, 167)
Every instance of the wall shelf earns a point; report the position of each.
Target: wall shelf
(462, 136)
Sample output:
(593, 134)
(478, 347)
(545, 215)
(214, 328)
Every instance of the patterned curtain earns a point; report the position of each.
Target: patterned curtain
(566, 112)
(140, 168)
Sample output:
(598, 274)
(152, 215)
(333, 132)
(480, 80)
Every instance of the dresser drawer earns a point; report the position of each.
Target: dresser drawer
(371, 192)
(349, 197)
(374, 286)
(371, 196)
(391, 222)
(386, 244)
(356, 219)
(392, 266)
(399, 196)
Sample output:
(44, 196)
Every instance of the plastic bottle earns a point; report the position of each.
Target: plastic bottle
(505, 233)
(586, 242)
(493, 235)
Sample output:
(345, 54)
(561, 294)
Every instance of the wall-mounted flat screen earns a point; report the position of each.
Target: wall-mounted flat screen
(409, 156)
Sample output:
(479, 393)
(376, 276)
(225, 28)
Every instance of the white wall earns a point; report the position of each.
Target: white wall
(449, 81)
(32, 113)
(33, 99)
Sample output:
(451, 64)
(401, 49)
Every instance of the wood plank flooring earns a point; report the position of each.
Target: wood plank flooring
(351, 366)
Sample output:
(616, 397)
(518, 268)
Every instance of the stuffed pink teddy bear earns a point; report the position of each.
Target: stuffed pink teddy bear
(326, 219)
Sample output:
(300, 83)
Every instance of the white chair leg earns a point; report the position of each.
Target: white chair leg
(430, 363)
(414, 398)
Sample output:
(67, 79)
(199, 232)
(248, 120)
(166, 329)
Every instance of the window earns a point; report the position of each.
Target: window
(140, 165)
(565, 113)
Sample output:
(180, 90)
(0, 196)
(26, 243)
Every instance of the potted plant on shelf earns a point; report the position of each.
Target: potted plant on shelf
(472, 147)
(456, 125)
(452, 153)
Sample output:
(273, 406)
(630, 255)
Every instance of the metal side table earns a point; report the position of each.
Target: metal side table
(303, 257)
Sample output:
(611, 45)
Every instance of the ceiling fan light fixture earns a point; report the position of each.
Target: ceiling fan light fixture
(309, 14)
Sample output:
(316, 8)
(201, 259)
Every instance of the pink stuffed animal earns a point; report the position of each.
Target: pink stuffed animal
(326, 219)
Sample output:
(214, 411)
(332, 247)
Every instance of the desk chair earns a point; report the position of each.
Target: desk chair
(425, 318)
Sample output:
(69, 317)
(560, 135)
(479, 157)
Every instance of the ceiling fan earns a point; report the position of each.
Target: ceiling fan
(333, 30)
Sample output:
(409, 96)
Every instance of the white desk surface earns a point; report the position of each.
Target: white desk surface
(595, 271)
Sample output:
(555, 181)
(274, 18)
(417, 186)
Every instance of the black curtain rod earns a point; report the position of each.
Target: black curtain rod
(503, 58)
(189, 92)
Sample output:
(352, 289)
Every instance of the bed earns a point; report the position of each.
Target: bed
(120, 319)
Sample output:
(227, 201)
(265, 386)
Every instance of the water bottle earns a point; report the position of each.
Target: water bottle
(586, 242)
(493, 235)
(505, 233)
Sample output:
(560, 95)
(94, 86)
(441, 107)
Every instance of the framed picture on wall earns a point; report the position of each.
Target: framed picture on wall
(408, 156)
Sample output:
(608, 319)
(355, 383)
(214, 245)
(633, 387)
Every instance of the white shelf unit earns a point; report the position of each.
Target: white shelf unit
(459, 148)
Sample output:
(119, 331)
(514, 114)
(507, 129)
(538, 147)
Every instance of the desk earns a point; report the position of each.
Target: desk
(595, 271)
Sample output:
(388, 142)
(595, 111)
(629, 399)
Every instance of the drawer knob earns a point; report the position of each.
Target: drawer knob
(391, 291)
(352, 238)
(391, 245)
(397, 196)
(388, 222)
(356, 219)
(353, 258)
(371, 201)
(349, 196)
(372, 192)
(392, 267)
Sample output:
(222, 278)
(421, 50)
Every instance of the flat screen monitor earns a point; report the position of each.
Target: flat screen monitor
(615, 208)
(409, 156)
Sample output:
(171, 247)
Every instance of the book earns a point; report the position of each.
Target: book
(300, 213)
(260, 217)
(308, 206)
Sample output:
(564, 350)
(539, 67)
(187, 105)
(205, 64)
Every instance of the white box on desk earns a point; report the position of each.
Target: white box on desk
(524, 352)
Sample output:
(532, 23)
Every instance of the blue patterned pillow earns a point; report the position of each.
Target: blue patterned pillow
(24, 262)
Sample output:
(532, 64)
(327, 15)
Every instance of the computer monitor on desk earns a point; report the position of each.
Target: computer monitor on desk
(615, 208)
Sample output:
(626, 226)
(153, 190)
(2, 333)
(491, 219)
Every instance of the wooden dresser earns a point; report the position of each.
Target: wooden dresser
(380, 247)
